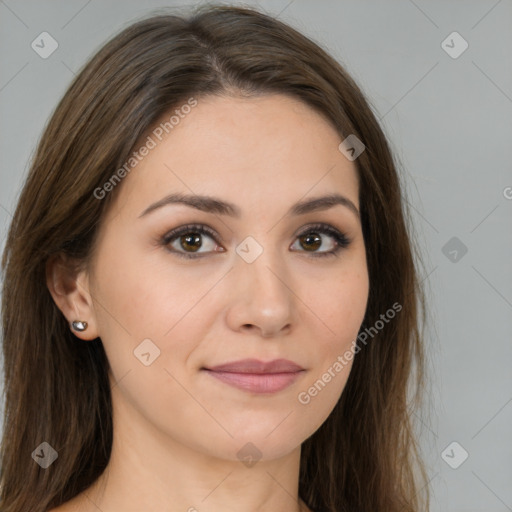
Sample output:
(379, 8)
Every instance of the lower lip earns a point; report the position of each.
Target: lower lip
(257, 382)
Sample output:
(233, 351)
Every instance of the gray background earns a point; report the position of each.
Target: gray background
(450, 123)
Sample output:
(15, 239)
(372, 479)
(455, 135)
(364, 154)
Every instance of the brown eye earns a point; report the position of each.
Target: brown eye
(186, 241)
(192, 241)
(311, 241)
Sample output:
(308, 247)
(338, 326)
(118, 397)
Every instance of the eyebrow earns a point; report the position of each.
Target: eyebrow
(215, 205)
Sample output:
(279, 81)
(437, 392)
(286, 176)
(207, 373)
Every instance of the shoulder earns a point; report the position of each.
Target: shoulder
(72, 505)
(64, 508)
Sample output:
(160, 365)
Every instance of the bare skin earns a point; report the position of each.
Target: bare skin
(178, 430)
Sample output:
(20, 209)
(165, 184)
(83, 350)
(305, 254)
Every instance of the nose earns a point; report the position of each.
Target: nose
(261, 298)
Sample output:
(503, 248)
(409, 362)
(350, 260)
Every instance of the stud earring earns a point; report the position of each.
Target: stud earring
(79, 325)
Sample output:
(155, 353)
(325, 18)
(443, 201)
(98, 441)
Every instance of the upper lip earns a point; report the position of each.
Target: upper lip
(257, 366)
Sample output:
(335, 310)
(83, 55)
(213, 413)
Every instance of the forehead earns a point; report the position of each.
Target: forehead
(265, 151)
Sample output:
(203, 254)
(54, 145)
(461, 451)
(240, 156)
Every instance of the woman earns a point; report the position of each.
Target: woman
(210, 298)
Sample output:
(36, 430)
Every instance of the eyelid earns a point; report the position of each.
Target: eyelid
(321, 226)
(186, 228)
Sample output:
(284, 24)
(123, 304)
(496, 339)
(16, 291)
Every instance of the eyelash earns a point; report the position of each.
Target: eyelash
(342, 241)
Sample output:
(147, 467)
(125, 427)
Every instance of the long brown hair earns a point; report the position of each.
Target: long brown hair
(364, 457)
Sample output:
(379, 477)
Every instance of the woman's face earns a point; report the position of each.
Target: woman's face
(263, 282)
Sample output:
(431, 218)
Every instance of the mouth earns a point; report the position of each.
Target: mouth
(257, 376)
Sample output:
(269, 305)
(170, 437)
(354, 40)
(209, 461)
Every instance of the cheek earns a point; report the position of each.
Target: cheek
(136, 296)
(147, 329)
(142, 307)
(341, 305)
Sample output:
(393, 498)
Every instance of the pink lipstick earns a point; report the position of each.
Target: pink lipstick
(257, 376)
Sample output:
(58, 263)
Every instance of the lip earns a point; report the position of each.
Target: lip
(257, 376)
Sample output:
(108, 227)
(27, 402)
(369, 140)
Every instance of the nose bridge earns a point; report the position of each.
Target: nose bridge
(265, 275)
(263, 296)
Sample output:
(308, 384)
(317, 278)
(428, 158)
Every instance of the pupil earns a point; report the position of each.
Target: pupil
(190, 239)
(313, 239)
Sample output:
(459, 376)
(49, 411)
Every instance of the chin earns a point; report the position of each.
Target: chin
(259, 440)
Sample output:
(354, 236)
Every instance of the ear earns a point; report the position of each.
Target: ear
(70, 291)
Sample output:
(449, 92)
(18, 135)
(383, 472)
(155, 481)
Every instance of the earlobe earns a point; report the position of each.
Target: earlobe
(69, 290)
